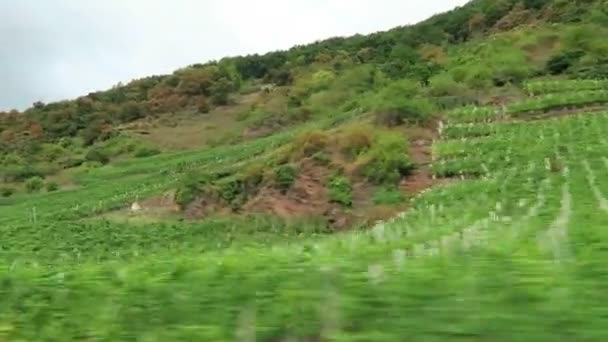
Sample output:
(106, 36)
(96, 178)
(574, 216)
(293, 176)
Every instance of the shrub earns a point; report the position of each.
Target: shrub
(403, 111)
(281, 77)
(321, 80)
(189, 187)
(387, 160)
(388, 196)
(356, 138)
(143, 152)
(69, 163)
(52, 186)
(97, 155)
(309, 143)
(34, 184)
(233, 192)
(6, 191)
(340, 190)
(202, 105)
(285, 176)
(131, 111)
(51, 153)
(253, 175)
(21, 173)
(220, 91)
(445, 85)
(561, 62)
(397, 103)
(300, 114)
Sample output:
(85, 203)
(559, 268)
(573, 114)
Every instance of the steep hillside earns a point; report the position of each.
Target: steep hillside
(223, 202)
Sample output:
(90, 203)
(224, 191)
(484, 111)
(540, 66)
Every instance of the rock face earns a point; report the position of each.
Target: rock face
(135, 207)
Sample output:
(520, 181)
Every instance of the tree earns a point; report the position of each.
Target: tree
(131, 111)
(220, 91)
(196, 81)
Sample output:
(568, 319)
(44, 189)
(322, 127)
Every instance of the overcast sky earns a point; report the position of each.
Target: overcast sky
(58, 49)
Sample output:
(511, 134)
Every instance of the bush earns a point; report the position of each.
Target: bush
(321, 80)
(51, 153)
(285, 176)
(21, 173)
(143, 152)
(387, 160)
(6, 191)
(189, 187)
(202, 105)
(445, 85)
(403, 111)
(561, 62)
(69, 163)
(233, 192)
(340, 190)
(97, 155)
(388, 196)
(309, 143)
(356, 138)
(52, 186)
(34, 184)
(398, 103)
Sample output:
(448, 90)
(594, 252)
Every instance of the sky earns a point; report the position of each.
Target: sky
(59, 49)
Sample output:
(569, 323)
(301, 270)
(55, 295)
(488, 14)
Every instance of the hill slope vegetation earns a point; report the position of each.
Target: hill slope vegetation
(441, 181)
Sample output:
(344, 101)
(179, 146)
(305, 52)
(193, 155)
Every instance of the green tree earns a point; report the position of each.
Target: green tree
(220, 91)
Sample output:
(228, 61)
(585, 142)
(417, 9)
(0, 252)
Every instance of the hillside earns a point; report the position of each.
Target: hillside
(441, 181)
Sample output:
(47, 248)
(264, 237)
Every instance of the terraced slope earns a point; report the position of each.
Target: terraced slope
(514, 251)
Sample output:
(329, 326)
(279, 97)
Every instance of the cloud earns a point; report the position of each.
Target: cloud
(57, 49)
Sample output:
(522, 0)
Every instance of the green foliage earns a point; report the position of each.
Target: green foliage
(233, 191)
(52, 186)
(97, 155)
(356, 138)
(73, 276)
(131, 111)
(52, 152)
(285, 176)
(95, 132)
(309, 142)
(21, 173)
(388, 195)
(143, 152)
(561, 62)
(71, 162)
(190, 186)
(399, 102)
(280, 77)
(340, 190)
(387, 160)
(34, 184)
(445, 85)
(6, 191)
(220, 91)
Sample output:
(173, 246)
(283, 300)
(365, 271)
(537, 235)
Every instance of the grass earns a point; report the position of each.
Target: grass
(516, 253)
(191, 131)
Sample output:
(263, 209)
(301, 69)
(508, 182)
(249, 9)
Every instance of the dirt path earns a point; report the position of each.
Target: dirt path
(420, 151)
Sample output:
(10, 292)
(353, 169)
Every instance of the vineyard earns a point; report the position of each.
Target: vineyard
(513, 249)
